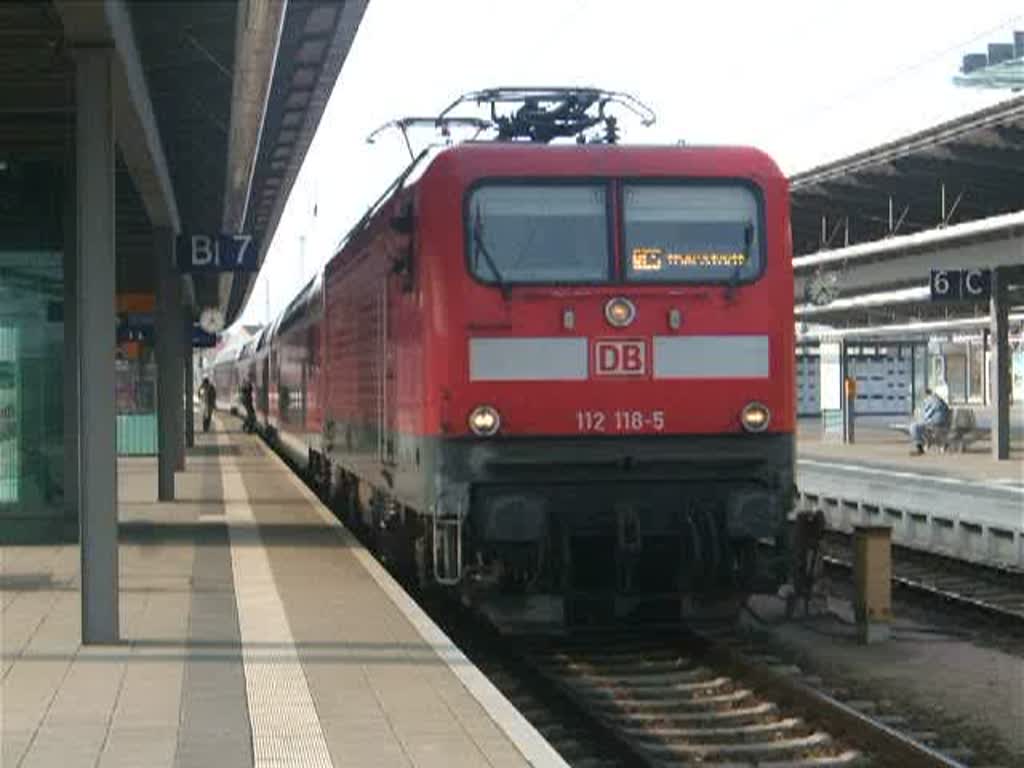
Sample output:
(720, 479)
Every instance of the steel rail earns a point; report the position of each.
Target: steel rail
(859, 729)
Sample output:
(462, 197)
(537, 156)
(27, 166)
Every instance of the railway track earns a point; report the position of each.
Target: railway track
(665, 699)
(996, 593)
(720, 700)
(627, 698)
(677, 700)
(671, 708)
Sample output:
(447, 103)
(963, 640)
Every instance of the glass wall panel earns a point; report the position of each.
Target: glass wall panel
(135, 382)
(31, 351)
(936, 370)
(920, 374)
(31, 381)
(956, 377)
(10, 412)
(975, 372)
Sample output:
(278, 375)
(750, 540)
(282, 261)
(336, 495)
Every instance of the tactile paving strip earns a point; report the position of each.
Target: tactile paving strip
(286, 730)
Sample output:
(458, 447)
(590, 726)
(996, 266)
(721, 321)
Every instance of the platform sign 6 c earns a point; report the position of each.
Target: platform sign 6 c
(620, 357)
(961, 284)
(217, 253)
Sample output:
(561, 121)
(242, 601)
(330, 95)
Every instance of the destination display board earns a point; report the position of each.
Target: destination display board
(692, 252)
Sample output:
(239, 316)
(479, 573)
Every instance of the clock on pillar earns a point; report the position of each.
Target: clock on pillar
(211, 320)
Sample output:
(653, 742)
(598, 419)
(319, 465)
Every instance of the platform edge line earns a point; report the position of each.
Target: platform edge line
(534, 748)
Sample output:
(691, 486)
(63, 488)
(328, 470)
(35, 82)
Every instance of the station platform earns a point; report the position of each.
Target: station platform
(966, 505)
(878, 444)
(256, 631)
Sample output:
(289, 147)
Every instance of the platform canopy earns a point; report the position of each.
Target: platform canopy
(216, 103)
(868, 228)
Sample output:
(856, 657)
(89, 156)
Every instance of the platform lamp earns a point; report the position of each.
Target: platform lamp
(1001, 67)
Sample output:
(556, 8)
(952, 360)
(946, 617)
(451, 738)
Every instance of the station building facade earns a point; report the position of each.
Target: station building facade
(893, 374)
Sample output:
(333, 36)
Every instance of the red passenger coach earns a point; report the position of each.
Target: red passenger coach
(559, 378)
(294, 380)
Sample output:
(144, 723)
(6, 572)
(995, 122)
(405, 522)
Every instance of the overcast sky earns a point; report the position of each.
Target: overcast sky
(805, 80)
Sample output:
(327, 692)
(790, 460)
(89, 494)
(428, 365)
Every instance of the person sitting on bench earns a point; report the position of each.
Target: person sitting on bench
(935, 414)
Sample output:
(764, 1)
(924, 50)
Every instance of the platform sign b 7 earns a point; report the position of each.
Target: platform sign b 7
(961, 284)
(217, 253)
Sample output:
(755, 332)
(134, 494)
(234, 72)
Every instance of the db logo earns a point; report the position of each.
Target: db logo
(620, 357)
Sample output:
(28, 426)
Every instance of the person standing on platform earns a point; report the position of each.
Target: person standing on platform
(250, 409)
(935, 414)
(208, 396)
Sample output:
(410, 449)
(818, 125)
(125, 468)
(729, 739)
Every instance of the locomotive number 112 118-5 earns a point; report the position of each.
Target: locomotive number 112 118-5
(620, 421)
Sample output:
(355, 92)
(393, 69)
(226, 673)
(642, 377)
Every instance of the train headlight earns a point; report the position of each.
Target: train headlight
(619, 312)
(755, 417)
(484, 420)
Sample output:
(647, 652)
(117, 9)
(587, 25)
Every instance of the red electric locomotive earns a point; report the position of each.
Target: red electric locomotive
(558, 377)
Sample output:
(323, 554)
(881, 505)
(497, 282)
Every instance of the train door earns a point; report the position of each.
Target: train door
(312, 379)
(385, 381)
(273, 402)
(304, 362)
(264, 396)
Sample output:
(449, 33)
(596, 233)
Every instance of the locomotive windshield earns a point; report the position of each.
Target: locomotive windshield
(692, 233)
(520, 233)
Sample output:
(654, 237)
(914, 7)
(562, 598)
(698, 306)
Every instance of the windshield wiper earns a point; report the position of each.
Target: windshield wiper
(734, 278)
(481, 248)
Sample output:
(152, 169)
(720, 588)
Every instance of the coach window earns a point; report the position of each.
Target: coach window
(692, 233)
(543, 233)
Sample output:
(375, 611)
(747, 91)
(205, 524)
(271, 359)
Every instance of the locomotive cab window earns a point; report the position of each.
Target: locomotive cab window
(694, 233)
(518, 233)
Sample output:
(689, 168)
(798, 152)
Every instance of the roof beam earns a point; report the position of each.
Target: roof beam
(257, 38)
(258, 35)
(865, 301)
(311, 22)
(936, 170)
(862, 204)
(108, 22)
(901, 261)
(1010, 134)
(905, 329)
(912, 185)
(986, 157)
(996, 118)
(871, 198)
